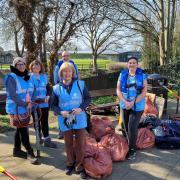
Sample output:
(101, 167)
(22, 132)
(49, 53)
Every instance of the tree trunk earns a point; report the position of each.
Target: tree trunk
(162, 35)
(52, 58)
(95, 63)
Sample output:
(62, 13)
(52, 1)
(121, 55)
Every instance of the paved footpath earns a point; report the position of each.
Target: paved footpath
(152, 164)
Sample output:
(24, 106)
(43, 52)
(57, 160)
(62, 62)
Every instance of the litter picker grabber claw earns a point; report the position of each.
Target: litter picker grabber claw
(35, 110)
(122, 118)
(2, 170)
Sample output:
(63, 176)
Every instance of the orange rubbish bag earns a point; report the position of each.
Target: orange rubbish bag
(97, 161)
(145, 138)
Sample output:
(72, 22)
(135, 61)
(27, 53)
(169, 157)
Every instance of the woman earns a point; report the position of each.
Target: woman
(131, 91)
(65, 58)
(18, 104)
(69, 100)
(43, 92)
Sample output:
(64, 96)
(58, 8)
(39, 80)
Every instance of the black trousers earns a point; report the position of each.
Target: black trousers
(131, 120)
(43, 121)
(22, 135)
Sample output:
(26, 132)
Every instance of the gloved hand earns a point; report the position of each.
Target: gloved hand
(69, 121)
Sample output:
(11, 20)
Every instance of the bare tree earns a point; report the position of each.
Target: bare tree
(67, 19)
(11, 27)
(153, 17)
(100, 32)
(25, 11)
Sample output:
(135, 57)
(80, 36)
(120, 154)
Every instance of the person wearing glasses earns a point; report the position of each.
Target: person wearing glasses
(69, 100)
(43, 92)
(131, 92)
(65, 58)
(18, 105)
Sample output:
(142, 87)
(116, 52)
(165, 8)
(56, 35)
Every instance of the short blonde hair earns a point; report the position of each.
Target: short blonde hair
(64, 66)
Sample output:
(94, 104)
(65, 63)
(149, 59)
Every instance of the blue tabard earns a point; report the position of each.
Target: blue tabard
(67, 102)
(40, 85)
(22, 87)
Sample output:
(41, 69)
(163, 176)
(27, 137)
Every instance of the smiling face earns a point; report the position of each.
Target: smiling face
(65, 56)
(20, 66)
(67, 74)
(36, 68)
(132, 65)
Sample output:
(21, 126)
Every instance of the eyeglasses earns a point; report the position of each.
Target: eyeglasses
(66, 55)
(20, 64)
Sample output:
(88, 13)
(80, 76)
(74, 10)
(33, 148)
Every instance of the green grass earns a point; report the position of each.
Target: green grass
(4, 124)
(104, 100)
(4, 66)
(86, 63)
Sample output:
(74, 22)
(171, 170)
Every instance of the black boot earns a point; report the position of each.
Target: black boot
(69, 170)
(31, 157)
(49, 143)
(17, 152)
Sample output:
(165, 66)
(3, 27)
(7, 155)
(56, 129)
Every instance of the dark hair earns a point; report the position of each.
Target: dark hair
(132, 57)
(37, 62)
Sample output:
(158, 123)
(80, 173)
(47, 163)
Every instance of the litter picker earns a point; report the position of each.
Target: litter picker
(2, 170)
(35, 110)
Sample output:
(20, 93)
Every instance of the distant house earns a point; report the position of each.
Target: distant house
(123, 57)
(6, 58)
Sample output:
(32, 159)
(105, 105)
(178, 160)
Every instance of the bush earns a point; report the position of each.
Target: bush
(118, 66)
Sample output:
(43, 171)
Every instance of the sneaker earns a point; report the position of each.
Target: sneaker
(69, 170)
(60, 135)
(131, 154)
(31, 157)
(83, 174)
(49, 143)
(19, 153)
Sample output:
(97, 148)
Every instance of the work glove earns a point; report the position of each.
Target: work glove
(69, 121)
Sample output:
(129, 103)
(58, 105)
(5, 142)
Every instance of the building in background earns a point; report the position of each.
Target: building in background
(123, 57)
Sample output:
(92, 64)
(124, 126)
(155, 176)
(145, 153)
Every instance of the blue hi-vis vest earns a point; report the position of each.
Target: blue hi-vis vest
(139, 80)
(40, 85)
(131, 91)
(22, 87)
(67, 102)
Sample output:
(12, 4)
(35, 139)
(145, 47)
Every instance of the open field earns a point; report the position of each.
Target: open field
(87, 63)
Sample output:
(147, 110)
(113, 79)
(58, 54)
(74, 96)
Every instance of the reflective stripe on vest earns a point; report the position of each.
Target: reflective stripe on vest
(40, 85)
(67, 102)
(22, 87)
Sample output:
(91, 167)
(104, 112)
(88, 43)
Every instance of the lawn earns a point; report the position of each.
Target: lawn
(87, 63)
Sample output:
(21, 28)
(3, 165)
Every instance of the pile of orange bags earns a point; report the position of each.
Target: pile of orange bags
(111, 147)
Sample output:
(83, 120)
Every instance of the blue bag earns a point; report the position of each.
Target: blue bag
(168, 135)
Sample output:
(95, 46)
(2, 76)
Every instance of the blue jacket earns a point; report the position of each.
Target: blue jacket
(67, 102)
(22, 87)
(57, 67)
(40, 85)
